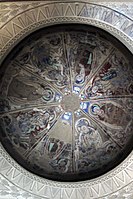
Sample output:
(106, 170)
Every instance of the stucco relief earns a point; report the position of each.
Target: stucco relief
(28, 21)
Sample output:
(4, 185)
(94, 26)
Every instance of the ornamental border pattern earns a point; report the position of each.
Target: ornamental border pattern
(11, 33)
(55, 10)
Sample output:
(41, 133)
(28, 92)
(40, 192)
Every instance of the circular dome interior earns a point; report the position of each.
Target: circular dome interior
(66, 102)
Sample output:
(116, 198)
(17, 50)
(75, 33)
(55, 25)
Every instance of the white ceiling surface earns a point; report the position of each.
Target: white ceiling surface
(10, 191)
(122, 7)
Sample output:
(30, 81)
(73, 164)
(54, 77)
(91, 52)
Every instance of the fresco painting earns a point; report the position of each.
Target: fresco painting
(66, 104)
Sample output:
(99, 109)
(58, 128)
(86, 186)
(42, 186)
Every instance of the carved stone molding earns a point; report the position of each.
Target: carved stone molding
(19, 20)
(38, 15)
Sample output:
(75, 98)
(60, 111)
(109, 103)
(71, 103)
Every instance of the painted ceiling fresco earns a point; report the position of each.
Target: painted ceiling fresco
(66, 103)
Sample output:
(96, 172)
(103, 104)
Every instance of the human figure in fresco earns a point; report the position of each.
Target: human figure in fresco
(102, 84)
(60, 165)
(55, 70)
(24, 89)
(112, 77)
(28, 127)
(108, 113)
(84, 67)
(54, 147)
(80, 77)
(88, 136)
(46, 59)
(56, 151)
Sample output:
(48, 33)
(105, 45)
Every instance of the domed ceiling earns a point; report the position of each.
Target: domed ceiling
(66, 103)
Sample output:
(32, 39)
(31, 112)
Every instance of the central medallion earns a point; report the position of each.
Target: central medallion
(70, 102)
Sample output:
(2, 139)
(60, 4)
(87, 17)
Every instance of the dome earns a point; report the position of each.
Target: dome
(66, 102)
